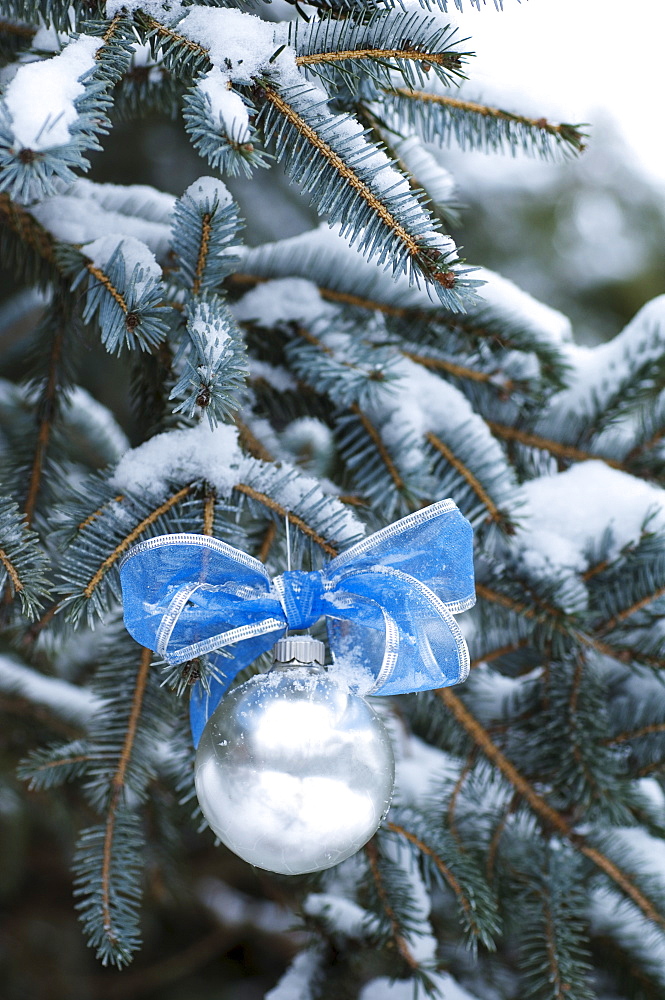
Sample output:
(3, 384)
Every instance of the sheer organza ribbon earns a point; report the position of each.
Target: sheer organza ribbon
(389, 602)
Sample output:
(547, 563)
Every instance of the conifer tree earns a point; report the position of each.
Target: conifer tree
(329, 383)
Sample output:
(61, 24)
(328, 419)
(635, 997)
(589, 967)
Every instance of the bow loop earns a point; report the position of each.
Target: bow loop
(389, 603)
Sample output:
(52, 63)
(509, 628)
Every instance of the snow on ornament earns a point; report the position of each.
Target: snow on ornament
(294, 770)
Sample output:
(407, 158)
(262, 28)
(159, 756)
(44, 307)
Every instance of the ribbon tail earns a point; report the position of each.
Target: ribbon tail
(205, 699)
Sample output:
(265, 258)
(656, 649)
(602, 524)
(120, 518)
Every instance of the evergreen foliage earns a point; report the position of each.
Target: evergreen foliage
(329, 383)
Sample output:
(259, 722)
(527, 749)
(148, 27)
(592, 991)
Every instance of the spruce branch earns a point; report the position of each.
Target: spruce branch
(231, 151)
(178, 50)
(453, 801)
(72, 705)
(125, 293)
(375, 466)
(209, 512)
(476, 904)
(435, 363)
(437, 117)
(131, 538)
(242, 280)
(23, 562)
(98, 543)
(31, 167)
(135, 715)
(377, 441)
(215, 363)
(251, 444)
(352, 52)
(50, 386)
(559, 449)
(107, 855)
(554, 960)
(267, 542)
(393, 222)
(26, 246)
(17, 29)
(343, 278)
(473, 482)
(283, 512)
(545, 813)
(52, 766)
(384, 897)
(351, 371)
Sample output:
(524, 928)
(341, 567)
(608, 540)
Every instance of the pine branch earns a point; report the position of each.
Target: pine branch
(398, 937)
(135, 715)
(476, 905)
(96, 534)
(23, 562)
(356, 51)
(437, 117)
(566, 452)
(390, 222)
(26, 246)
(52, 766)
(492, 510)
(282, 512)
(251, 444)
(549, 816)
(384, 454)
(455, 369)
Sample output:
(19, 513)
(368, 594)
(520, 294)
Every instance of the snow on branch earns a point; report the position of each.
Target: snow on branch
(53, 110)
(68, 701)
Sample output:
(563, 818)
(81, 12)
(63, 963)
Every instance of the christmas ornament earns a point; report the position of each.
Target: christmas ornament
(293, 772)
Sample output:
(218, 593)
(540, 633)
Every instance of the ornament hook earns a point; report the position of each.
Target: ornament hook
(288, 543)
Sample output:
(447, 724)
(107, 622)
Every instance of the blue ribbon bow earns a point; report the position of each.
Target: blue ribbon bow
(389, 602)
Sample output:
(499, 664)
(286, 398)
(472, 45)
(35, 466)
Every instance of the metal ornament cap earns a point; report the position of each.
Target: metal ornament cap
(293, 772)
(300, 649)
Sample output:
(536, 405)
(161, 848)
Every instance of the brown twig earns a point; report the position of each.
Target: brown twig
(117, 788)
(542, 809)
(398, 937)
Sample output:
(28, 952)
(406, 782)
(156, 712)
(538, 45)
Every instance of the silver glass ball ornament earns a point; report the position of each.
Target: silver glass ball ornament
(293, 772)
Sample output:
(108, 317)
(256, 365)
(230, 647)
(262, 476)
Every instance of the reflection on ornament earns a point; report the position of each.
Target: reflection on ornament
(293, 772)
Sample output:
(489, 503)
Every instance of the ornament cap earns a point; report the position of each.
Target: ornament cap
(303, 649)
